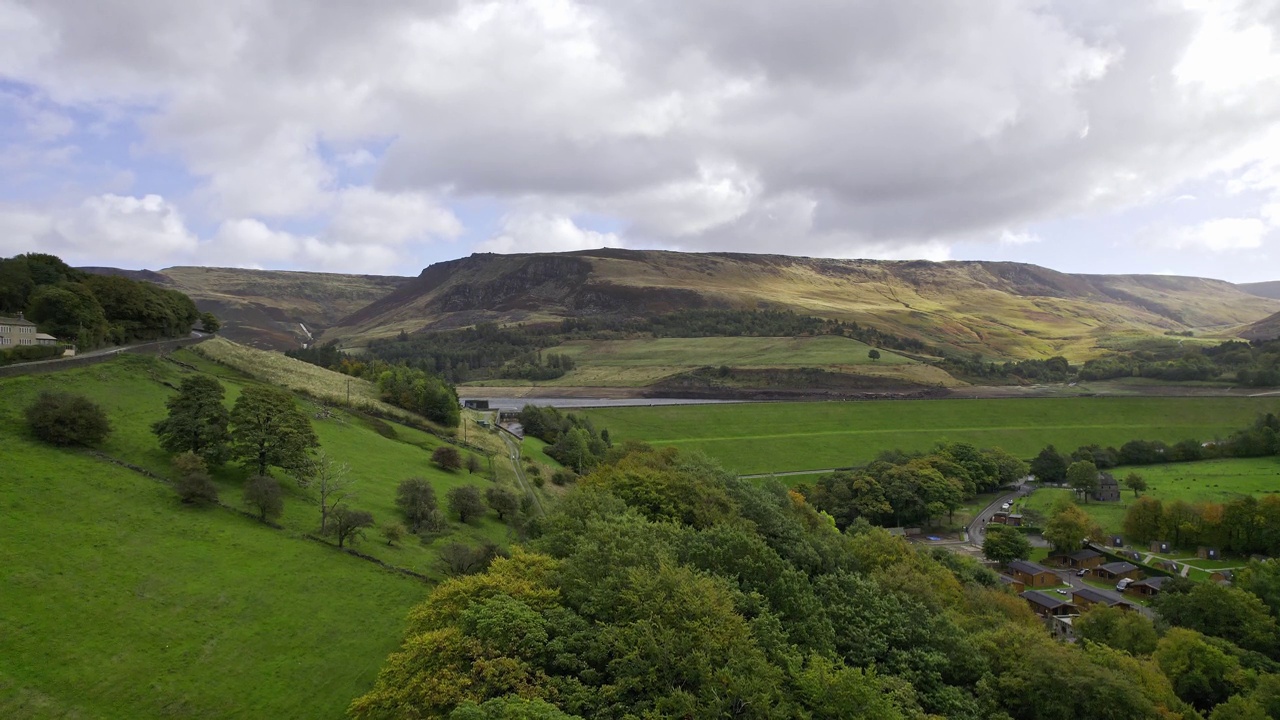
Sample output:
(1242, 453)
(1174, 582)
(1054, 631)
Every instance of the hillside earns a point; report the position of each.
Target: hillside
(994, 308)
(269, 308)
(1263, 289)
(1267, 328)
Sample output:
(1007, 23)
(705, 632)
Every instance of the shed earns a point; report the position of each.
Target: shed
(1160, 546)
(1222, 576)
(1115, 541)
(1208, 553)
(1046, 605)
(1087, 597)
(1149, 587)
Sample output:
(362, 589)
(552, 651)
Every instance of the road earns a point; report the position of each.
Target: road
(1078, 583)
(974, 532)
(513, 451)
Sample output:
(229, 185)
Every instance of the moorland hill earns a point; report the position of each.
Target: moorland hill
(996, 308)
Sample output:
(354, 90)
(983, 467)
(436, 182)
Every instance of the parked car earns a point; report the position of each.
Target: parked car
(1082, 572)
(1124, 583)
(1060, 591)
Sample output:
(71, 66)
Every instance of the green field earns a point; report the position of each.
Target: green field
(1210, 480)
(118, 602)
(778, 437)
(636, 363)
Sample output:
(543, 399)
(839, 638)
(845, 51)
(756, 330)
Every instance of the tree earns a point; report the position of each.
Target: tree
(1049, 466)
(64, 419)
(1082, 476)
(459, 559)
(503, 501)
(1004, 544)
(1135, 482)
(69, 310)
(1121, 629)
(393, 532)
(1144, 519)
(262, 495)
(197, 420)
(1225, 612)
(267, 428)
(329, 481)
(416, 499)
(465, 502)
(1201, 674)
(1068, 528)
(447, 457)
(511, 707)
(874, 354)
(210, 323)
(348, 524)
(194, 486)
(473, 464)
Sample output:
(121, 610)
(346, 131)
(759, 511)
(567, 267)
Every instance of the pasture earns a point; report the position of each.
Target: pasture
(637, 363)
(751, 438)
(1215, 481)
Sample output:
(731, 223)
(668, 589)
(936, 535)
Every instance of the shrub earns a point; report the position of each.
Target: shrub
(447, 457)
(563, 477)
(65, 419)
(262, 495)
(466, 503)
(194, 486)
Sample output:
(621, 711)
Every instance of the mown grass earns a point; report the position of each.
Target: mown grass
(779, 437)
(118, 602)
(1216, 481)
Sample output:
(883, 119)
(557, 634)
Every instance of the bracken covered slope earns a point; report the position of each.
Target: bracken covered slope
(1267, 328)
(996, 308)
(270, 309)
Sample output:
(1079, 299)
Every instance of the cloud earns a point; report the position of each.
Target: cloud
(1221, 235)
(1009, 237)
(541, 232)
(133, 231)
(816, 127)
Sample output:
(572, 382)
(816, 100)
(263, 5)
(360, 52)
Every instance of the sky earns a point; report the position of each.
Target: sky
(379, 137)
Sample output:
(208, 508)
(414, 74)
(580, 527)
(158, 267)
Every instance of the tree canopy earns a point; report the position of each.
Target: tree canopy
(268, 429)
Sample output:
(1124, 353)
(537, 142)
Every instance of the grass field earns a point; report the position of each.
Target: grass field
(637, 363)
(118, 602)
(778, 437)
(1210, 480)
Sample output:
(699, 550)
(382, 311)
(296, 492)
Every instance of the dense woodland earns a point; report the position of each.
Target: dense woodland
(93, 310)
(662, 586)
(411, 388)
(573, 440)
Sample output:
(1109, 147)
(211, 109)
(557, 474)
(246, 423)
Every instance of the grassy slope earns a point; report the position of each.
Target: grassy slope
(775, 437)
(115, 601)
(636, 363)
(1211, 480)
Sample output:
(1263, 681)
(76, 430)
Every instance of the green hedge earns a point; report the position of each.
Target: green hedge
(27, 353)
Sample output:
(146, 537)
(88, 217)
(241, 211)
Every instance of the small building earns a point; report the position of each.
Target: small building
(472, 404)
(1012, 583)
(1001, 517)
(1223, 576)
(1160, 546)
(1115, 541)
(1032, 574)
(46, 339)
(508, 416)
(1133, 555)
(1014, 520)
(1088, 597)
(1208, 553)
(1108, 488)
(1169, 566)
(17, 331)
(1148, 587)
(1048, 605)
(1078, 560)
(1117, 571)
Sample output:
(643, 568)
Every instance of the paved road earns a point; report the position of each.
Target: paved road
(974, 532)
(513, 453)
(1078, 583)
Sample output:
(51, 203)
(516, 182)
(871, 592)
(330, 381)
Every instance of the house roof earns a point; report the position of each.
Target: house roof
(1029, 568)
(6, 320)
(1044, 600)
(45, 336)
(1106, 479)
(1094, 596)
(1151, 582)
(1085, 555)
(1119, 567)
(1007, 580)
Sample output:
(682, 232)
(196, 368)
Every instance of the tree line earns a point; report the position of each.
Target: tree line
(901, 488)
(92, 310)
(412, 388)
(573, 439)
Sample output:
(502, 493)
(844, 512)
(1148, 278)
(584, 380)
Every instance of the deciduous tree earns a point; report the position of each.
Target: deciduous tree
(348, 524)
(416, 499)
(1049, 466)
(473, 464)
(465, 502)
(194, 486)
(329, 481)
(197, 420)
(262, 495)
(503, 501)
(1082, 476)
(1121, 629)
(267, 428)
(1004, 544)
(1068, 528)
(1135, 482)
(447, 457)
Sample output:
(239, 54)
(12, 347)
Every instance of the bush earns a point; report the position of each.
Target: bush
(65, 419)
(447, 457)
(28, 353)
(416, 499)
(465, 501)
(563, 477)
(262, 495)
(458, 559)
(194, 486)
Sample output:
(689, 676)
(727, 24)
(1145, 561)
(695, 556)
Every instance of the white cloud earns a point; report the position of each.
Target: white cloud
(251, 243)
(1221, 235)
(366, 216)
(134, 231)
(1009, 237)
(540, 232)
